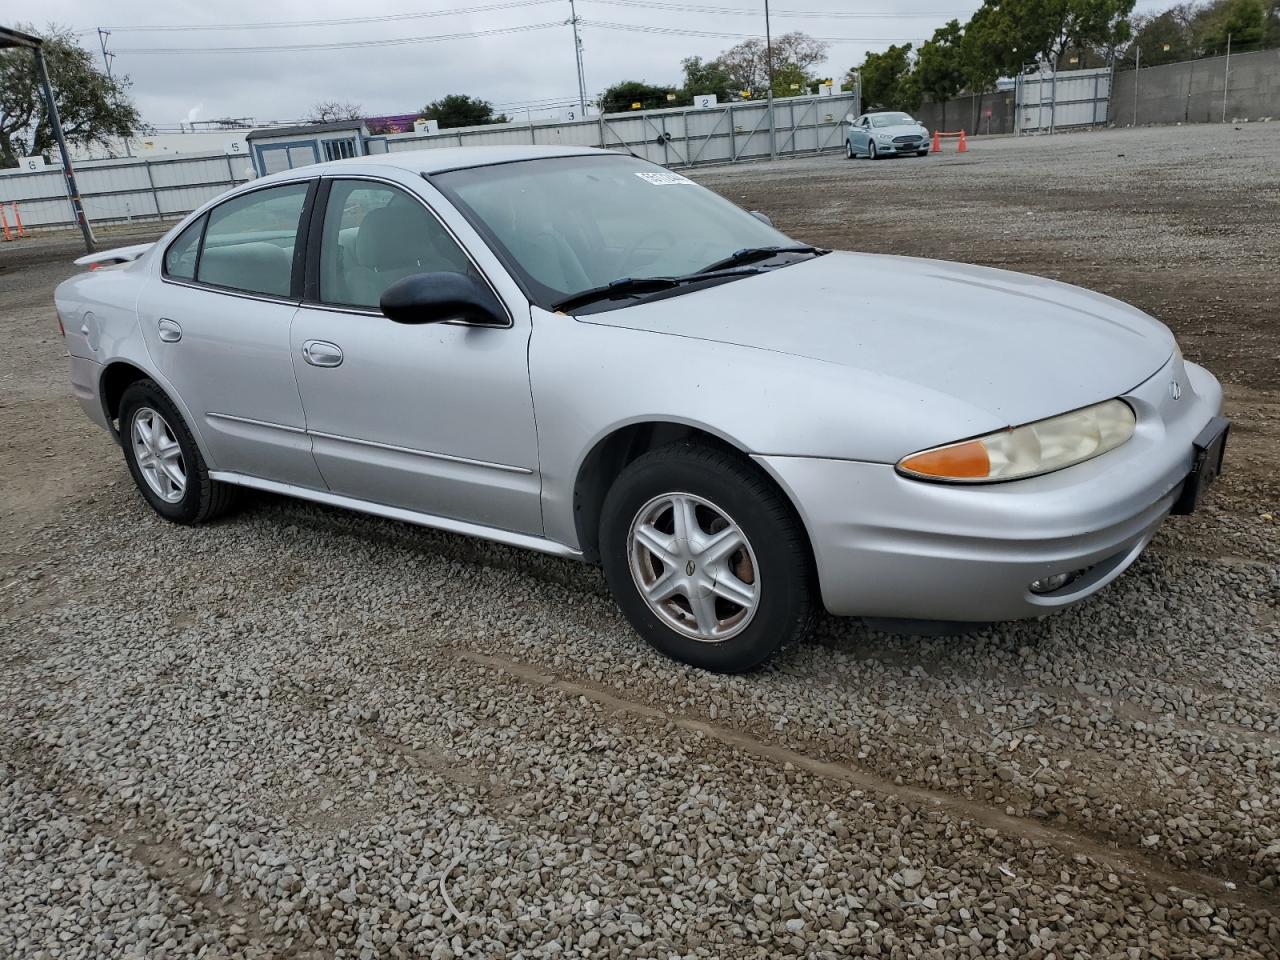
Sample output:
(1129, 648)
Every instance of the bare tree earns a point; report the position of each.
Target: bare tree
(326, 111)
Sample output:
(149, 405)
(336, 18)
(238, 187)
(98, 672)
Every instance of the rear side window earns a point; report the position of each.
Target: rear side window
(250, 241)
(180, 258)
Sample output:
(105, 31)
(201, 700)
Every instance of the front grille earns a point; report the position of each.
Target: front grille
(908, 139)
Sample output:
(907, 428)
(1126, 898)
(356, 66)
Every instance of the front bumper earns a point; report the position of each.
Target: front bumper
(905, 148)
(888, 546)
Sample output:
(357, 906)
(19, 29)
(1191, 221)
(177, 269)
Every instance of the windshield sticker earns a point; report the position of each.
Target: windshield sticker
(663, 179)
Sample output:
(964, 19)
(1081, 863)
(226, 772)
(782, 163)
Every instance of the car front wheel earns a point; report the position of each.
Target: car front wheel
(848, 149)
(164, 460)
(706, 558)
(871, 151)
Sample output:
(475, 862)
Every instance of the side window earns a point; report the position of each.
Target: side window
(374, 235)
(180, 258)
(250, 241)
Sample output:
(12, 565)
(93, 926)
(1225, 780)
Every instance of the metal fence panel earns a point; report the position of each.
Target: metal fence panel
(1077, 98)
(142, 188)
(130, 189)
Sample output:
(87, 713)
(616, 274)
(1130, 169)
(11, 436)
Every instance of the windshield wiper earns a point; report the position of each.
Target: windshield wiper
(638, 286)
(755, 254)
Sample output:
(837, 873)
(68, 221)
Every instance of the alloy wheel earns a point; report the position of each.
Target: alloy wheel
(159, 455)
(694, 567)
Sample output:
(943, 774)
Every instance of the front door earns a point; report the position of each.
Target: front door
(434, 418)
(216, 323)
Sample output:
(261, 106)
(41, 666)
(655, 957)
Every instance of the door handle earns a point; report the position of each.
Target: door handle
(322, 353)
(170, 332)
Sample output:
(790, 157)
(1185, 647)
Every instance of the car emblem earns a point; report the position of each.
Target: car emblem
(690, 568)
(1175, 390)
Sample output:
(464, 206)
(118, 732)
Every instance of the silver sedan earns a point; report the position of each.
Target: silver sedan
(578, 352)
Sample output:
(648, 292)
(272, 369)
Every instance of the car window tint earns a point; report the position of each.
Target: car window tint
(374, 235)
(180, 258)
(250, 240)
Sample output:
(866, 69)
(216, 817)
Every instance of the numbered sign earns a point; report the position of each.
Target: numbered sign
(704, 101)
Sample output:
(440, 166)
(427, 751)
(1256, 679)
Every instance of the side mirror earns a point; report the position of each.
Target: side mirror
(441, 297)
(763, 218)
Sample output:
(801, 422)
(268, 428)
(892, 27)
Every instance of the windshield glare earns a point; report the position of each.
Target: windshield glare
(567, 224)
(890, 119)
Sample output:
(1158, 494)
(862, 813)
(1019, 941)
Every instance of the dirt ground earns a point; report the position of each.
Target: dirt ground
(299, 732)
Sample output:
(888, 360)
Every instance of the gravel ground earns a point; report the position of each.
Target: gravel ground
(304, 733)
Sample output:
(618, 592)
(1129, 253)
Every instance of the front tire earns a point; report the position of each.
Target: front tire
(706, 558)
(164, 460)
(922, 153)
(871, 151)
(848, 150)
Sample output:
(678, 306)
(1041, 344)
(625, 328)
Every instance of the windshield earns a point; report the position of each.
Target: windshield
(563, 225)
(890, 119)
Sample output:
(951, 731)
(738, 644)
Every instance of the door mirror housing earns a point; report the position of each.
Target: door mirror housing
(440, 298)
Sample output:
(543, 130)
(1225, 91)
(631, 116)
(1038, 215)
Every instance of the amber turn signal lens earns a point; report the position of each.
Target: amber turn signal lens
(963, 460)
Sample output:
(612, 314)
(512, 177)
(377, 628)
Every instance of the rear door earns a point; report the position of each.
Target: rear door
(434, 418)
(216, 322)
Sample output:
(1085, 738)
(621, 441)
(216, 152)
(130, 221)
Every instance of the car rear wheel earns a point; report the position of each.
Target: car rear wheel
(706, 558)
(164, 460)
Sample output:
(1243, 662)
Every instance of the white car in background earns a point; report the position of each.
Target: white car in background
(886, 134)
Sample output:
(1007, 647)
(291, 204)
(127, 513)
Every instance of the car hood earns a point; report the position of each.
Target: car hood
(898, 130)
(1017, 346)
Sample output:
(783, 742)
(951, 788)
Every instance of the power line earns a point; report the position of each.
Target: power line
(344, 44)
(715, 34)
(344, 21)
(784, 12)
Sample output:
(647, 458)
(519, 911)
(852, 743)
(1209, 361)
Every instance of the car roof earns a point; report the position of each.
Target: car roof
(435, 160)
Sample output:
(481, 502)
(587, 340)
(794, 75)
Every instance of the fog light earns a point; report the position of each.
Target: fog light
(1049, 584)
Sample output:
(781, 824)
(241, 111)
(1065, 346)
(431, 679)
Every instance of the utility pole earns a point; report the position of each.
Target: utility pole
(768, 61)
(577, 53)
(56, 123)
(107, 56)
(1226, 79)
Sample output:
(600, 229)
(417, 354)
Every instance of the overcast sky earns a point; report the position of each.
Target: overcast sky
(508, 70)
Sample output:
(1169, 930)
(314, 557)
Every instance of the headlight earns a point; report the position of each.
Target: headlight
(1028, 450)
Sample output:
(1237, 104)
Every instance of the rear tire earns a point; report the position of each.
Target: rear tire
(706, 558)
(164, 460)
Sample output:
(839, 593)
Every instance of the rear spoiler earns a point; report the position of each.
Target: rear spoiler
(106, 258)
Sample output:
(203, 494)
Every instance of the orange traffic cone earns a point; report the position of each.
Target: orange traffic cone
(18, 217)
(963, 147)
(937, 141)
(4, 224)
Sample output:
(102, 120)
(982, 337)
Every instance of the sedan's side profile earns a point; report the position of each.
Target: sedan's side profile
(578, 352)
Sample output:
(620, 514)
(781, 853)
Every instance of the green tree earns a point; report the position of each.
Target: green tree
(1004, 35)
(1244, 21)
(940, 63)
(460, 110)
(886, 80)
(623, 94)
(94, 108)
(706, 76)
(1164, 37)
